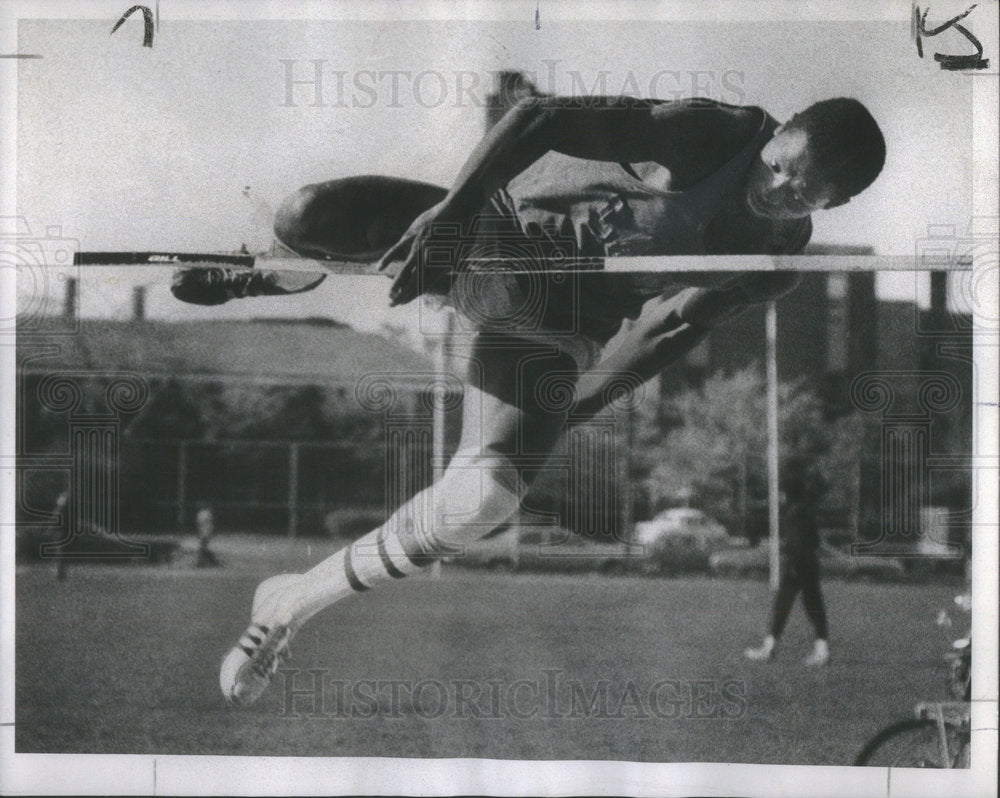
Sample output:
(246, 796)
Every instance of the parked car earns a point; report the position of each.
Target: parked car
(551, 549)
(681, 540)
(556, 549)
(682, 525)
(95, 547)
(498, 550)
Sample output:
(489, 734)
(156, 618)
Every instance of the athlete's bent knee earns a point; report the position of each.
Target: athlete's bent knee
(290, 221)
(479, 491)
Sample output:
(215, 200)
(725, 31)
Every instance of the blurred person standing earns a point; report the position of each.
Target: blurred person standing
(802, 491)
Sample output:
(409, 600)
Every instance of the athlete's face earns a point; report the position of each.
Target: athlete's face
(783, 183)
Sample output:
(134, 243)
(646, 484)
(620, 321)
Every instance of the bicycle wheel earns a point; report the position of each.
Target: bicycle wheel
(912, 743)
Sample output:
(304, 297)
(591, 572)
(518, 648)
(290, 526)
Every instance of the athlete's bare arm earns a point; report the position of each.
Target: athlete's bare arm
(621, 129)
(669, 327)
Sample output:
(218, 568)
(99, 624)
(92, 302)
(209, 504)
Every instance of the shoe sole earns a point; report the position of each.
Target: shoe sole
(248, 669)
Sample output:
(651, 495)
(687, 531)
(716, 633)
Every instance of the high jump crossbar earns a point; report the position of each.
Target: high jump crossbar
(962, 261)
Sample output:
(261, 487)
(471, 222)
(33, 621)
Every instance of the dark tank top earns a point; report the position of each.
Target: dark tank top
(604, 209)
(601, 209)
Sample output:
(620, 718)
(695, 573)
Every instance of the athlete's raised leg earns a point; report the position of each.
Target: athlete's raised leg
(353, 218)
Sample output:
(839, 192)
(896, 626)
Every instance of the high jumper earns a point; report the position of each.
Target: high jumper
(556, 179)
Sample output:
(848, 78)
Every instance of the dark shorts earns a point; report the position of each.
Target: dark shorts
(524, 291)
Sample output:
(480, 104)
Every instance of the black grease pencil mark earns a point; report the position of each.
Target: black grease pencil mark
(950, 62)
(147, 16)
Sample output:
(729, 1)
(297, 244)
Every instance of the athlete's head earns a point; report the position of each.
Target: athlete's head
(820, 158)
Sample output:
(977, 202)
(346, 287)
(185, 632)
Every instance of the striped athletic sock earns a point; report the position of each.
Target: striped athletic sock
(393, 551)
(471, 500)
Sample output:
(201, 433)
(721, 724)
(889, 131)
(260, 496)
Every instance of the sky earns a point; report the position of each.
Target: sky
(191, 144)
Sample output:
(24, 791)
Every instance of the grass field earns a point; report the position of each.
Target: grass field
(124, 659)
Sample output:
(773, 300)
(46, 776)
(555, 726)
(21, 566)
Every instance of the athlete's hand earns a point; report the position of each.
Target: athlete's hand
(408, 251)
